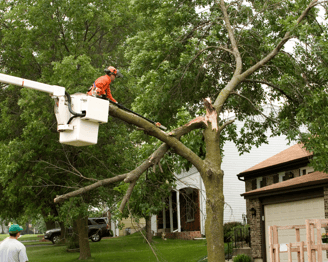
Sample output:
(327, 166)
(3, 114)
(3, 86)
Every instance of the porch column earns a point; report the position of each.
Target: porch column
(164, 219)
(171, 213)
(178, 210)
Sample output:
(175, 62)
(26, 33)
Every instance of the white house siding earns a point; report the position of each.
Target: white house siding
(233, 164)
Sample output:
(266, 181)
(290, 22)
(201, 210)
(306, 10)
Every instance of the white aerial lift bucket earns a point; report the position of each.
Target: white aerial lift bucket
(81, 131)
(78, 119)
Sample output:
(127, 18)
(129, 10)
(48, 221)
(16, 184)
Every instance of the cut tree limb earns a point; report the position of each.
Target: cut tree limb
(127, 195)
(136, 173)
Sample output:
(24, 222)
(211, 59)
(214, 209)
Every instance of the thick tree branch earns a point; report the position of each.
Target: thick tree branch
(211, 114)
(83, 190)
(127, 195)
(224, 94)
(233, 42)
(152, 130)
(152, 160)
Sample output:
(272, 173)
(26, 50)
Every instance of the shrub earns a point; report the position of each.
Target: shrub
(241, 233)
(72, 243)
(227, 229)
(242, 258)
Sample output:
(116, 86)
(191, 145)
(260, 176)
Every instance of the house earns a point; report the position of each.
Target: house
(184, 217)
(4, 228)
(283, 190)
(128, 226)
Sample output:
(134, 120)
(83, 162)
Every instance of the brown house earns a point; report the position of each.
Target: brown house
(283, 190)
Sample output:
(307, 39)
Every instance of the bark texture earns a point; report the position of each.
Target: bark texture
(82, 227)
(63, 232)
(212, 176)
(50, 224)
(149, 234)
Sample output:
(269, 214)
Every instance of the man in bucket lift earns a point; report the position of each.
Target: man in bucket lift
(101, 87)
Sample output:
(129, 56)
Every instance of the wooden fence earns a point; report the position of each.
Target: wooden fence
(312, 246)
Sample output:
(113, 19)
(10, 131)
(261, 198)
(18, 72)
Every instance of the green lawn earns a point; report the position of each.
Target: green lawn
(22, 238)
(128, 248)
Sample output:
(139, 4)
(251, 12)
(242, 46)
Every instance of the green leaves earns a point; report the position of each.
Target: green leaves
(66, 43)
(75, 74)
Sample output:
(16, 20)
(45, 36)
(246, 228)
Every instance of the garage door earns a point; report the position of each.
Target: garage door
(292, 213)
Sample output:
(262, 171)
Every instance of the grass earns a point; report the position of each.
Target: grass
(22, 238)
(128, 248)
(28, 239)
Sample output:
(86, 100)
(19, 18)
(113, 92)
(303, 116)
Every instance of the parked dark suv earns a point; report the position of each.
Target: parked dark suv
(97, 228)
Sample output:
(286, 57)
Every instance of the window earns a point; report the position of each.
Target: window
(275, 178)
(253, 184)
(190, 205)
(259, 182)
(306, 170)
(288, 175)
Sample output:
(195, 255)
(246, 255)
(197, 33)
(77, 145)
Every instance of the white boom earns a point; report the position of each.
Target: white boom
(78, 116)
(13, 80)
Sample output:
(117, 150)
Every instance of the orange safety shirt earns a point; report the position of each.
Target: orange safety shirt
(102, 87)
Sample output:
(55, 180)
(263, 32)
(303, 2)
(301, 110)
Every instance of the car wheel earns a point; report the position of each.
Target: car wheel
(95, 237)
(55, 239)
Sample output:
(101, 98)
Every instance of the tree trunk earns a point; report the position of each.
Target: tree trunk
(27, 228)
(82, 227)
(63, 232)
(50, 223)
(213, 180)
(149, 234)
(2, 226)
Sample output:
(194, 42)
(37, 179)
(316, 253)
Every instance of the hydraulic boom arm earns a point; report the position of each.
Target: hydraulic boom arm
(78, 116)
(54, 90)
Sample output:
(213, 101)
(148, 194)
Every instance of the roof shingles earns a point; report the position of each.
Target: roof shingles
(292, 153)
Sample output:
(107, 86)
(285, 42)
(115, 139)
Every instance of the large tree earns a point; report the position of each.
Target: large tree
(231, 52)
(65, 43)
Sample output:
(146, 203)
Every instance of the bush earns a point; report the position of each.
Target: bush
(227, 229)
(241, 233)
(242, 258)
(72, 242)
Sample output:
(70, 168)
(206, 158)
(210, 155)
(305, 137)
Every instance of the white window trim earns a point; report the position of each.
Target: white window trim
(308, 169)
(258, 182)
